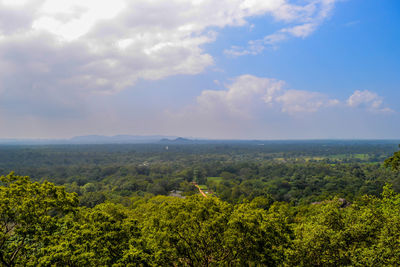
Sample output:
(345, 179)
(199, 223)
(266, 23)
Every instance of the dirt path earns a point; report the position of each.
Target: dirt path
(201, 191)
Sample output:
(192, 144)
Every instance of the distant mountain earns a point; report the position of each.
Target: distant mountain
(117, 139)
(179, 140)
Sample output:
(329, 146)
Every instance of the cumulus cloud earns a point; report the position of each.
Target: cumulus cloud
(303, 20)
(249, 97)
(368, 100)
(241, 96)
(83, 46)
(258, 107)
(247, 93)
(298, 101)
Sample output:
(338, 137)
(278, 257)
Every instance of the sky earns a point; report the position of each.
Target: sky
(227, 69)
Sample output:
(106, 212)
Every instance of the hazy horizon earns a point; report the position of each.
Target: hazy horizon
(119, 138)
(232, 69)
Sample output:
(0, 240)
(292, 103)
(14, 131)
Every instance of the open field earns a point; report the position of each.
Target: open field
(214, 179)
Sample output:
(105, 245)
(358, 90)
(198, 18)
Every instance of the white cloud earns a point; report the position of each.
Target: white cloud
(242, 96)
(301, 30)
(257, 107)
(297, 101)
(115, 43)
(368, 100)
(248, 95)
(15, 2)
(303, 20)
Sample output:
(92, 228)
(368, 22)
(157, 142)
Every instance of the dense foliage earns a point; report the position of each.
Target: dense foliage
(30, 213)
(260, 214)
(394, 161)
(45, 227)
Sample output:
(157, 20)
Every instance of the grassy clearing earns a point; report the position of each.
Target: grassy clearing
(214, 179)
(203, 187)
(350, 156)
(338, 157)
(361, 156)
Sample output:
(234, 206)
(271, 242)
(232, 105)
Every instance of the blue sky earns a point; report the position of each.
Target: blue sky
(238, 69)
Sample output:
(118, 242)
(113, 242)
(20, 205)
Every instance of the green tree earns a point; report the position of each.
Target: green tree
(366, 233)
(394, 161)
(29, 215)
(185, 231)
(100, 236)
(199, 231)
(255, 237)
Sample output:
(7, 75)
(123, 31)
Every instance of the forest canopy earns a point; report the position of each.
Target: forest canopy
(43, 224)
(45, 227)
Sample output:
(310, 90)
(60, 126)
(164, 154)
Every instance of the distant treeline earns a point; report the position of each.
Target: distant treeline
(294, 172)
